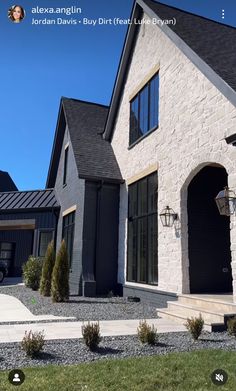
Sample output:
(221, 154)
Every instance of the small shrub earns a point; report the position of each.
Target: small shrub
(91, 335)
(60, 276)
(48, 264)
(195, 326)
(147, 333)
(32, 343)
(32, 270)
(231, 325)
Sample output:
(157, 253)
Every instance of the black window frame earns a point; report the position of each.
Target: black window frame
(10, 250)
(135, 133)
(66, 153)
(68, 230)
(142, 229)
(9, 260)
(43, 231)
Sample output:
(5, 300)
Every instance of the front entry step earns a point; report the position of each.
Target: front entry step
(215, 310)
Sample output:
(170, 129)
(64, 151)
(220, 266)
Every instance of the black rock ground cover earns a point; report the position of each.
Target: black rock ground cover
(67, 352)
(82, 308)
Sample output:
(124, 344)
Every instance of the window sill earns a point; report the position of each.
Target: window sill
(143, 137)
(141, 284)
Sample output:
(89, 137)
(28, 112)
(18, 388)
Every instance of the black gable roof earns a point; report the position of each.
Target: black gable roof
(22, 200)
(6, 183)
(94, 156)
(214, 42)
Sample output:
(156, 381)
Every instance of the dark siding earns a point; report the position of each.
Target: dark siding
(155, 298)
(107, 240)
(68, 195)
(23, 240)
(89, 239)
(26, 241)
(43, 219)
(100, 237)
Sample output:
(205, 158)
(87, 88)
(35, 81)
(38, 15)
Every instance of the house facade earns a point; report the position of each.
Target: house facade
(184, 146)
(28, 222)
(166, 141)
(86, 178)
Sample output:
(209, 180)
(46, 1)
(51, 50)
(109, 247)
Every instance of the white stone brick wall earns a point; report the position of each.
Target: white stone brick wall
(194, 119)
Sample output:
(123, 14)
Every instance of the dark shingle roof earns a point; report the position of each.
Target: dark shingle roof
(6, 183)
(94, 156)
(214, 42)
(34, 199)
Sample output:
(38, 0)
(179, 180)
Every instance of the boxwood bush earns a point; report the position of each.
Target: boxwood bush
(32, 270)
(231, 326)
(147, 333)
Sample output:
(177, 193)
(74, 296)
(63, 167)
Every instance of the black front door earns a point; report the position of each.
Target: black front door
(209, 234)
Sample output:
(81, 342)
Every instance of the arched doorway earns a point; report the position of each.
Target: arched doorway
(208, 234)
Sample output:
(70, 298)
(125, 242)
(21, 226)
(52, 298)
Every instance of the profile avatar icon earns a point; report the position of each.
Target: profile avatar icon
(16, 377)
(16, 13)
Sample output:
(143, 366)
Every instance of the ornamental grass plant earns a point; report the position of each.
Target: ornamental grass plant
(195, 326)
(33, 343)
(91, 335)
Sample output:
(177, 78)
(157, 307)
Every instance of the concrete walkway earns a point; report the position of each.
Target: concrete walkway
(12, 310)
(72, 330)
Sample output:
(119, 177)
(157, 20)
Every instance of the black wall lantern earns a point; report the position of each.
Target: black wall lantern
(168, 217)
(225, 201)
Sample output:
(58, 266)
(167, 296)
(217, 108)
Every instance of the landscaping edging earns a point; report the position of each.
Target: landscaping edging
(68, 352)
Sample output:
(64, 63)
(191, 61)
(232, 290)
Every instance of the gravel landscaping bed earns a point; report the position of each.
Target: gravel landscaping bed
(82, 308)
(65, 352)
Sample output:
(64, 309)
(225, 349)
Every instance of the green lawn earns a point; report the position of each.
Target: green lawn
(173, 372)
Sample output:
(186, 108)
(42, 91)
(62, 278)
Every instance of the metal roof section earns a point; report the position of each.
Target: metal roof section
(35, 199)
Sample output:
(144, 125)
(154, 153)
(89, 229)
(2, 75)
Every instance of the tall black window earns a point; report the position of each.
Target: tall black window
(45, 238)
(142, 231)
(65, 165)
(144, 110)
(68, 234)
(7, 250)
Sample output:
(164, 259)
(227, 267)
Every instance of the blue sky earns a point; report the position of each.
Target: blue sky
(39, 64)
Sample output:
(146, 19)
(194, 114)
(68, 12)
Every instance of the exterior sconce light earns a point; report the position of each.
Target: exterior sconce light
(225, 201)
(168, 217)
